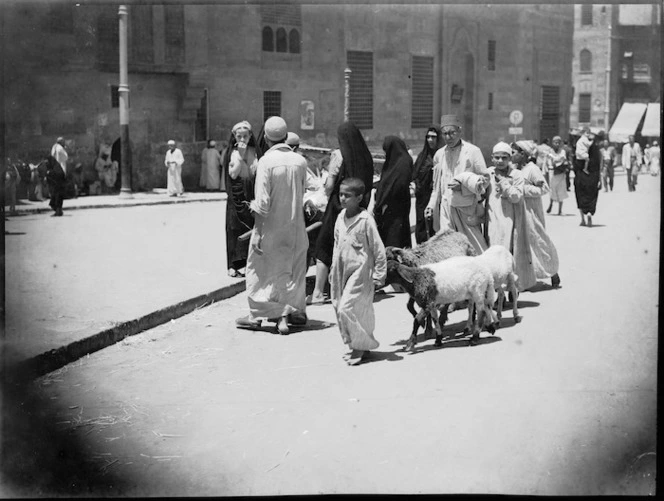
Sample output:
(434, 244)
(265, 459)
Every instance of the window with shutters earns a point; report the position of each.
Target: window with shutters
(142, 44)
(586, 15)
(174, 33)
(282, 40)
(361, 88)
(549, 111)
(108, 40)
(422, 92)
(271, 104)
(281, 28)
(584, 107)
(491, 63)
(268, 39)
(586, 61)
(294, 41)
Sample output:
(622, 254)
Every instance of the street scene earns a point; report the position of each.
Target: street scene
(295, 249)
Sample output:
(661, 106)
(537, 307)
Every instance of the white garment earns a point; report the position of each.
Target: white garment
(58, 152)
(174, 160)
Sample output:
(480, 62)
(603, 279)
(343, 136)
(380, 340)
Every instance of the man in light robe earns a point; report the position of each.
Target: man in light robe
(60, 154)
(460, 179)
(174, 160)
(632, 157)
(277, 261)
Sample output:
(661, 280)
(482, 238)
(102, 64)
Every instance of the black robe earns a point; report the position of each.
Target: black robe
(587, 186)
(423, 178)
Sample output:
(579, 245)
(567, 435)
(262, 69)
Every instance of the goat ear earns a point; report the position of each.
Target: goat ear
(405, 274)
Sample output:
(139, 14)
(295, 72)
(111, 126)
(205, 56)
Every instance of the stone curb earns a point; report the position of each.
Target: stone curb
(46, 208)
(55, 359)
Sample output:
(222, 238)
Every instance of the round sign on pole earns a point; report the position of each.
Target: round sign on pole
(516, 117)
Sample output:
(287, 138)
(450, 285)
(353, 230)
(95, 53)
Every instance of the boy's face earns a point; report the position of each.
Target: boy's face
(348, 199)
(501, 160)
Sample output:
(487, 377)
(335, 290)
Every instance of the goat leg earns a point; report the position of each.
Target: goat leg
(419, 320)
(515, 309)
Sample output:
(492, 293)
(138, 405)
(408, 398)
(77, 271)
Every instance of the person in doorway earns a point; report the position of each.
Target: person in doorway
(210, 167)
(359, 266)
(352, 159)
(632, 157)
(460, 180)
(558, 166)
(239, 163)
(392, 201)
(173, 161)
(423, 179)
(277, 265)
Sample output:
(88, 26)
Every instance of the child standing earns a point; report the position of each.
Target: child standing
(358, 266)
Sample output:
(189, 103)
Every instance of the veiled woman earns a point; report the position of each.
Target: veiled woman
(239, 166)
(423, 179)
(392, 203)
(352, 159)
(587, 182)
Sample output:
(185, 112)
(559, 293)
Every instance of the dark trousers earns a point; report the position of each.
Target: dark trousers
(630, 180)
(607, 178)
(57, 197)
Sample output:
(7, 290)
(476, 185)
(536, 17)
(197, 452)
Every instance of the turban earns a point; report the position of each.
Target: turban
(558, 138)
(527, 147)
(213, 144)
(293, 139)
(447, 120)
(171, 142)
(241, 125)
(502, 147)
(276, 129)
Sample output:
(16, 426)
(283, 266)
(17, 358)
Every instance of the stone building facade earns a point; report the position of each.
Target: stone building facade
(617, 59)
(196, 69)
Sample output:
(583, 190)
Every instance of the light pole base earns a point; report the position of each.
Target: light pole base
(125, 194)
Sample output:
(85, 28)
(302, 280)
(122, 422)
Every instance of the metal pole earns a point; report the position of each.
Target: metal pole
(608, 83)
(123, 91)
(347, 73)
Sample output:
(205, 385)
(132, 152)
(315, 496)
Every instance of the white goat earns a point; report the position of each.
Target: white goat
(461, 278)
(501, 263)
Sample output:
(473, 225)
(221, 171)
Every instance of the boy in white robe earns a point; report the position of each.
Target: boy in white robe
(358, 266)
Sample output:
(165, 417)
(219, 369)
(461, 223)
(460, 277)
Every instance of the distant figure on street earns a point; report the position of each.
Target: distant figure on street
(587, 182)
(655, 158)
(608, 154)
(632, 157)
(56, 179)
(173, 161)
(59, 152)
(543, 251)
(423, 180)
(460, 179)
(12, 179)
(558, 165)
(239, 163)
(277, 261)
(570, 157)
(358, 268)
(293, 140)
(352, 159)
(646, 159)
(210, 167)
(507, 224)
(392, 201)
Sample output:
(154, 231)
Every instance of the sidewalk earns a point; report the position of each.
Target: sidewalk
(79, 283)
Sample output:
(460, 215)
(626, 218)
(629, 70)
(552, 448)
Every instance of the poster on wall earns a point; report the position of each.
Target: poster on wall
(306, 115)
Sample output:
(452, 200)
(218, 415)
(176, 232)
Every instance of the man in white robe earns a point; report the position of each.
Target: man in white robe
(277, 261)
(60, 154)
(174, 160)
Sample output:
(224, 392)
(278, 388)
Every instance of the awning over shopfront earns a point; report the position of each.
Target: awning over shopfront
(626, 122)
(652, 121)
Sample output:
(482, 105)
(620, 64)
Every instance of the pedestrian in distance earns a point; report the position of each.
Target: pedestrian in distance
(210, 178)
(59, 152)
(239, 163)
(506, 218)
(543, 251)
(55, 179)
(392, 200)
(558, 165)
(173, 161)
(12, 180)
(359, 266)
(460, 179)
(570, 158)
(632, 157)
(351, 159)
(293, 140)
(423, 180)
(277, 260)
(655, 158)
(608, 158)
(587, 181)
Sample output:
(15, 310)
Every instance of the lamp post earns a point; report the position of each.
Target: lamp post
(123, 94)
(347, 73)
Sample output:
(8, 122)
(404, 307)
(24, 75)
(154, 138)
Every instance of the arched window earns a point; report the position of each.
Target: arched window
(586, 61)
(587, 15)
(268, 39)
(294, 41)
(282, 40)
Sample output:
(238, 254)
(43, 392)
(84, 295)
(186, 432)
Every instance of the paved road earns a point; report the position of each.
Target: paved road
(562, 403)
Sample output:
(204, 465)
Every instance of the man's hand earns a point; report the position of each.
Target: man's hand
(455, 185)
